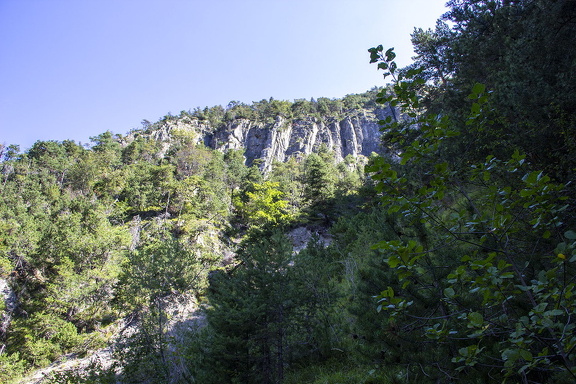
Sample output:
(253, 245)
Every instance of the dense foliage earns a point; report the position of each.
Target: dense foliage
(484, 286)
(450, 258)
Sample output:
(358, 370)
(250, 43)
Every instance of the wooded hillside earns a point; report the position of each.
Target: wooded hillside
(448, 257)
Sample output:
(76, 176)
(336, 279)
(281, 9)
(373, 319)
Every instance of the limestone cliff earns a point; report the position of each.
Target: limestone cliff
(356, 133)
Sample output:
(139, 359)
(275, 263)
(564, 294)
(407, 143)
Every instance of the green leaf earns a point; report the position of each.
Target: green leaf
(540, 307)
(526, 355)
(531, 178)
(510, 355)
(476, 319)
(441, 168)
(570, 235)
(388, 292)
(478, 88)
(393, 262)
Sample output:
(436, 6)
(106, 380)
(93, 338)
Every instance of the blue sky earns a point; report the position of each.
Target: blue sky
(71, 69)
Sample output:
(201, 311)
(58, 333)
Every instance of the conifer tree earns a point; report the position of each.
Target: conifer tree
(268, 311)
(319, 183)
(250, 313)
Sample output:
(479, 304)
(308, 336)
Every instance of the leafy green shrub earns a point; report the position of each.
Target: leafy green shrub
(489, 282)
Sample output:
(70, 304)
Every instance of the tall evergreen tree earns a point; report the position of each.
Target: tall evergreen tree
(250, 312)
(319, 183)
(266, 313)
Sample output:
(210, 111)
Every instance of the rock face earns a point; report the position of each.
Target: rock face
(355, 134)
(300, 237)
(9, 298)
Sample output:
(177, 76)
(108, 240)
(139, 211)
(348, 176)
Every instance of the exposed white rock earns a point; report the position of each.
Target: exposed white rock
(301, 236)
(357, 134)
(10, 302)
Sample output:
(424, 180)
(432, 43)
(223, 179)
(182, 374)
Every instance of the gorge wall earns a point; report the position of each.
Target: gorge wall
(356, 134)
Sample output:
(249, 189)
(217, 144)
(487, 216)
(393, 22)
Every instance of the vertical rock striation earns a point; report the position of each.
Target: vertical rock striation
(355, 134)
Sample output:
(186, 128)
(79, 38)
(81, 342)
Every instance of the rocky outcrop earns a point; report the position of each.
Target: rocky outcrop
(301, 236)
(355, 134)
(10, 302)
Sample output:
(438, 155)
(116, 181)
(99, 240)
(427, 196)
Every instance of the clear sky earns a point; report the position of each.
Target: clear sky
(72, 69)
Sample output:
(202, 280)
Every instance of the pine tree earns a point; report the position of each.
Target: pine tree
(268, 311)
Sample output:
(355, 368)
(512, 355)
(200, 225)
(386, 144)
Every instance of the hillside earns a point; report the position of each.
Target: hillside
(293, 242)
(85, 226)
